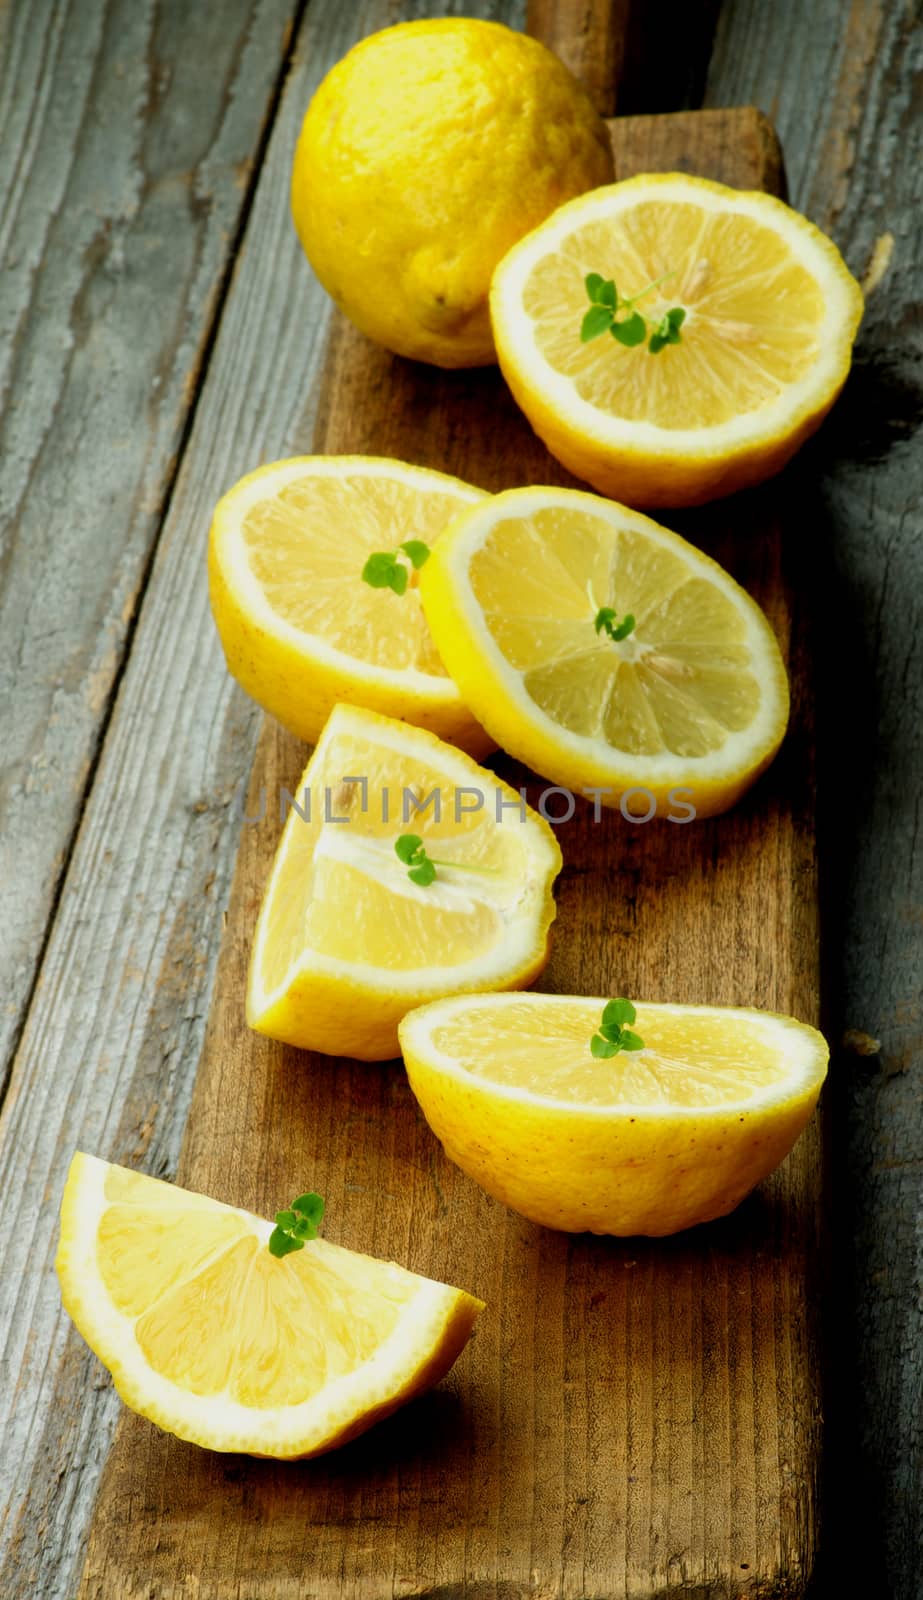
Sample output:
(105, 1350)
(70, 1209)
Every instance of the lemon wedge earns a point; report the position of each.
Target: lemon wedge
(346, 941)
(213, 1338)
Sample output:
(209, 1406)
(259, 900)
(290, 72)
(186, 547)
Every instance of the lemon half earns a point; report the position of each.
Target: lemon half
(771, 315)
(694, 699)
(647, 1142)
(300, 628)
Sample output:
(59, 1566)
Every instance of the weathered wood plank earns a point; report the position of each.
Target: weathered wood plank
(125, 171)
(842, 83)
(109, 1049)
(633, 1417)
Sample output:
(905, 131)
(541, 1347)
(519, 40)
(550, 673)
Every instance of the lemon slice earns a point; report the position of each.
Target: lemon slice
(217, 1340)
(299, 627)
(649, 1141)
(771, 312)
(694, 698)
(346, 942)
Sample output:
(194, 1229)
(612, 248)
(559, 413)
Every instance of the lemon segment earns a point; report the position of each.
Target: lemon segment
(346, 943)
(213, 1338)
(300, 628)
(695, 698)
(646, 1142)
(424, 155)
(771, 312)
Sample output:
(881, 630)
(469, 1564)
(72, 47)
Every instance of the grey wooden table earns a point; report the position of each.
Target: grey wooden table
(159, 335)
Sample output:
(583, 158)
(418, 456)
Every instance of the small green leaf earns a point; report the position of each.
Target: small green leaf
(383, 571)
(596, 321)
(619, 1012)
(282, 1243)
(416, 552)
(310, 1205)
(423, 874)
(407, 846)
(630, 332)
(600, 290)
(296, 1224)
(605, 620)
(379, 570)
(667, 330)
(630, 1041)
(602, 1048)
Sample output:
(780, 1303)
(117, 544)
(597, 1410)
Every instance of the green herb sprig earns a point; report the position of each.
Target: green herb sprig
(421, 867)
(613, 1034)
(385, 569)
(296, 1225)
(605, 623)
(633, 329)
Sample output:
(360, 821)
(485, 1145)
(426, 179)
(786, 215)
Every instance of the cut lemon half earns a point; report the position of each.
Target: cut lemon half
(346, 941)
(694, 698)
(300, 628)
(213, 1338)
(771, 312)
(649, 1141)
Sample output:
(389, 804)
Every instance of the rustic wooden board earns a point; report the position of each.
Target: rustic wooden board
(125, 173)
(631, 1417)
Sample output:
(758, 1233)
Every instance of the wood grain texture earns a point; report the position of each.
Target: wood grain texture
(855, 163)
(589, 36)
(125, 171)
(115, 1025)
(633, 1418)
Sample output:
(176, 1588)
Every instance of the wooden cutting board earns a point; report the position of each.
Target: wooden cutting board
(633, 1418)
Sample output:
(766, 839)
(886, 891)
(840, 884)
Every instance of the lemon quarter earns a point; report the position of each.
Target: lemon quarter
(347, 941)
(215, 1339)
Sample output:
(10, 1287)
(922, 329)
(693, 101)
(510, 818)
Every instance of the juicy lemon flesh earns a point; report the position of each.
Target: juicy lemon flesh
(681, 682)
(216, 1313)
(306, 547)
(753, 314)
(693, 1060)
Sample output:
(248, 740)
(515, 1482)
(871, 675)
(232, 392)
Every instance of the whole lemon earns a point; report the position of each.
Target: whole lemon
(425, 154)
